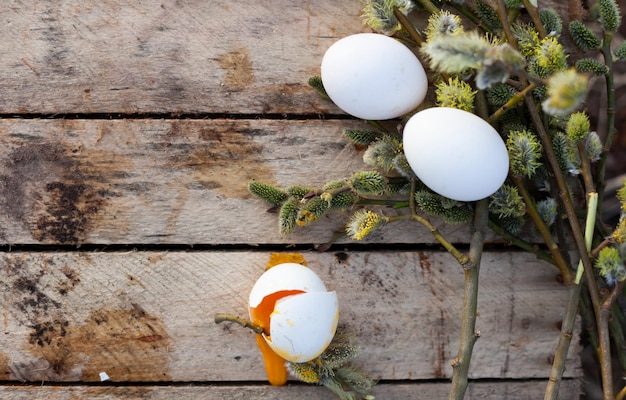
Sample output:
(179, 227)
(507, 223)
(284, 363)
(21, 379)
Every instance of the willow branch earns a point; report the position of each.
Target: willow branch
(469, 335)
(543, 229)
(610, 117)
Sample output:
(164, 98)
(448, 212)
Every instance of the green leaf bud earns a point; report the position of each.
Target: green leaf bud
(593, 146)
(299, 192)
(551, 21)
(443, 23)
(591, 65)
(315, 82)
(507, 202)
(524, 151)
(547, 209)
(499, 94)
(457, 215)
(362, 137)
(382, 153)
(566, 91)
(609, 16)
(577, 127)
(611, 265)
(455, 94)
(583, 37)
(288, 216)
(368, 183)
(312, 210)
(271, 194)
(363, 222)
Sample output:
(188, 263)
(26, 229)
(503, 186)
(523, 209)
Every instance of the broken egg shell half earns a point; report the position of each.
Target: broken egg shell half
(301, 325)
(455, 153)
(372, 76)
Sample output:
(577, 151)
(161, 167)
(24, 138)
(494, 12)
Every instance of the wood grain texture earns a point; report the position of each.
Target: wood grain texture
(148, 316)
(167, 56)
(172, 181)
(510, 390)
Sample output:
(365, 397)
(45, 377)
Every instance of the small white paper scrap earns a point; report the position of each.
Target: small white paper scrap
(104, 376)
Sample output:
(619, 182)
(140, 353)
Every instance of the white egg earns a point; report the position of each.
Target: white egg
(301, 324)
(455, 153)
(373, 76)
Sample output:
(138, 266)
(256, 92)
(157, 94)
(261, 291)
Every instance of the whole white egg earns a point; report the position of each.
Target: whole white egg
(373, 76)
(455, 153)
(302, 315)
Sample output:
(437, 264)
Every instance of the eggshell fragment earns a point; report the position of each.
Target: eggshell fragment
(282, 277)
(303, 325)
(373, 76)
(291, 303)
(455, 153)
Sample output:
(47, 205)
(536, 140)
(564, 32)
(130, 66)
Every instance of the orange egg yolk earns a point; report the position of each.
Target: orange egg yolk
(275, 365)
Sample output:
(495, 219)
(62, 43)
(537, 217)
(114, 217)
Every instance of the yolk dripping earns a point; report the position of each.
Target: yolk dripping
(274, 364)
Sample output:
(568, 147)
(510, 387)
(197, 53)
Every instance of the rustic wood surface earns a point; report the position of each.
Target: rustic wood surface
(523, 390)
(148, 316)
(171, 181)
(139, 124)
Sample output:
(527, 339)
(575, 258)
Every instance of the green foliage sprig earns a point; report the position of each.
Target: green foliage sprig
(509, 65)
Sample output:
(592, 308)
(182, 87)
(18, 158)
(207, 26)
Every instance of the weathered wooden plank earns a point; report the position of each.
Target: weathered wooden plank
(168, 56)
(148, 316)
(170, 181)
(506, 390)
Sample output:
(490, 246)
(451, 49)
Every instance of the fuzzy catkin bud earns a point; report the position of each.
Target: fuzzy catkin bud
(344, 200)
(288, 216)
(593, 146)
(271, 194)
(312, 211)
(361, 137)
(368, 182)
(524, 153)
(455, 94)
(566, 91)
(315, 82)
(488, 15)
(551, 56)
(443, 23)
(363, 222)
(577, 126)
(506, 202)
(299, 192)
(620, 52)
(547, 210)
(382, 152)
(583, 37)
(591, 65)
(527, 38)
(611, 265)
(609, 16)
(551, 21)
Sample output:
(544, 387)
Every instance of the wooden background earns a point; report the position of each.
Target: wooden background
(128, 133)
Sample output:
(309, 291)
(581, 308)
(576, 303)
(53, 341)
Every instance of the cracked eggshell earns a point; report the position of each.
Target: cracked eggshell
(287, 276)
(455, 153)
(303, 325)
(303, 319)
(373, 76)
